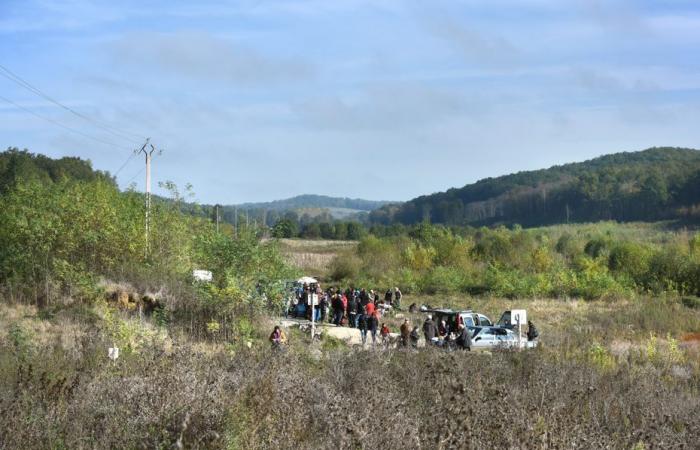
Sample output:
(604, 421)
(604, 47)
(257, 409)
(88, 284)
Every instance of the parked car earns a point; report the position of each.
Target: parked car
(489, 338)
(468, 318)
(510, 319)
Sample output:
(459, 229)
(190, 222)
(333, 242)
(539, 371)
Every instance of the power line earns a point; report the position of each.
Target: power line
(110, 129)
(133, 154)
(59, 124)
(135, 175)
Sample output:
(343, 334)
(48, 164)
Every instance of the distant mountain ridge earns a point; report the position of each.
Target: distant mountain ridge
(303, 209)
(316, 201)
(654, 184)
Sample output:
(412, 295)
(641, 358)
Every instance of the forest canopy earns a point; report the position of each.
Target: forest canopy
(650, 185)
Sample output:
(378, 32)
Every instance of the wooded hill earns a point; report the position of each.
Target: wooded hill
(302, 209)
(654, 184)
(21, 165)
(315, 201)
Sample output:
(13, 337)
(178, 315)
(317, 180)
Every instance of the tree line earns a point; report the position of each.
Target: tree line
(591, 261)
(655, 184)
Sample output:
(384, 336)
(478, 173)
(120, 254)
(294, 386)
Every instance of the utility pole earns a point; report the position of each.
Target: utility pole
(235, 222)
(217, 217)
(148, 152)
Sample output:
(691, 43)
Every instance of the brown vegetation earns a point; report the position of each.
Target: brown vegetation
(582, 388)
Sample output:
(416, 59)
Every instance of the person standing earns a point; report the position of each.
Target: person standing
(387, 296)
(352, 312)
(384, 332)
(363, 325)
(443, 330)
(325, 301)
(370, 308)
(405, 333)
(464, 339)
(372, 326)
(344, 303)
(397, 298)
(532, 332)
(364, 297)
(414, 337)
(337, 309)
(359, 308)
(429, 330)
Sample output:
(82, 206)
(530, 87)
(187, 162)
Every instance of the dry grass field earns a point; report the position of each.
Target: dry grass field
(313, 257)
(606, 375)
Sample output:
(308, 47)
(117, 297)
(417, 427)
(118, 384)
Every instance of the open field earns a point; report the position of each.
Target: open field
(313, 257)
(596, 381)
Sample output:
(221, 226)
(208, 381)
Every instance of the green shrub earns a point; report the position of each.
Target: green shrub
(629, 258)
(596, 247)
(443, 280)
(345, 267)
(691, 302)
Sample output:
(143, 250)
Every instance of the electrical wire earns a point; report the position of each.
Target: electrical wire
(133, 154)
(7, 73)
(59, 124)
(136, 175)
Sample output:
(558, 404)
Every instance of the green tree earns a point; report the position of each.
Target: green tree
(284, 228)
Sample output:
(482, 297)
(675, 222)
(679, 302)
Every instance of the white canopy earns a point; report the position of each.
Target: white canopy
(307, 280)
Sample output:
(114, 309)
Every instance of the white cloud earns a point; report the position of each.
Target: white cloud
(203, 56)
(476, 47)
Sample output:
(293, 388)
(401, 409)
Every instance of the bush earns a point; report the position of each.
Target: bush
(596, 247)
(256, 399)
(443, 280)
(630, 259)
(691, 302)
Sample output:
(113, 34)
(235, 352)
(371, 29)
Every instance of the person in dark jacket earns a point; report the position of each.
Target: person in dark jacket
(338, 310)
(360, 309)
(363, 325)
(443, 329)
(429, 330)
(323, 306)
(532, 332)
(373, 326)
(414, 337)
(352, 312)
(387, 296)
(364, 297)
(464, 338)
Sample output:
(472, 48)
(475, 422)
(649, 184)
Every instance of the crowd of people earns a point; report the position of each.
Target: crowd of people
(363, 309)
(355, 308)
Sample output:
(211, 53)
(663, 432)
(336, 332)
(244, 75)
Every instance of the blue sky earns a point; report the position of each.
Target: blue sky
(381, 99)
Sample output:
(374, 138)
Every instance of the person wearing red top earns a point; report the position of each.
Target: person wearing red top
(370, 308)
(385, 335)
